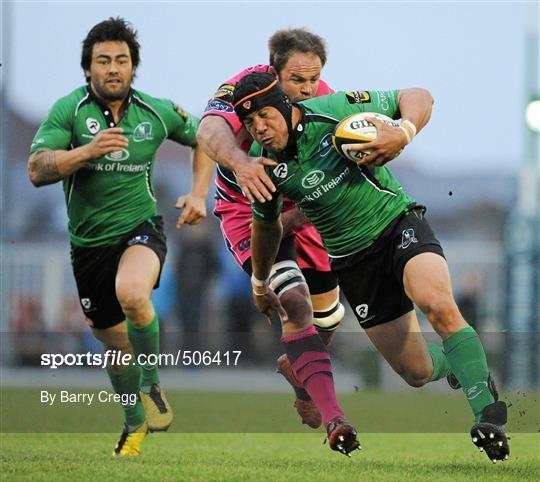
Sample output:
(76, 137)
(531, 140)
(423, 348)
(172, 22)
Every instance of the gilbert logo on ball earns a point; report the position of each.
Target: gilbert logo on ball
(356, 129)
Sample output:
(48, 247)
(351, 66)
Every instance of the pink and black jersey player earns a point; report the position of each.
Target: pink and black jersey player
(233, 207)
(298, 70)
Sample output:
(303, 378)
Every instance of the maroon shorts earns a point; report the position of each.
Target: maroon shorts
(235, 220)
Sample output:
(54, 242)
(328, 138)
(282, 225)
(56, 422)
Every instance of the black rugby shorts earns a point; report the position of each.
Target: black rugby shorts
(95, 271)
(372, 279)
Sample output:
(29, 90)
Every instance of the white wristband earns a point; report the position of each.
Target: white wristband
(260, 294)
(411, 125)
(258, 282)
(407, 135)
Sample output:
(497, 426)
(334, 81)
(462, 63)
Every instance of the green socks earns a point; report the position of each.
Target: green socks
(145, 341)
(441, 367)
(136, 377)
(127, 382)
(467, 360)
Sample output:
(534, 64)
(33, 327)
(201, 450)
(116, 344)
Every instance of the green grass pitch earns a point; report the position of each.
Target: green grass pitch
(271, 455)
(263, 457)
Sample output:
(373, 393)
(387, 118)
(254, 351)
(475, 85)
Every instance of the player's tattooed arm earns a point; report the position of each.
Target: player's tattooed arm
(43, 168)
(47, 166)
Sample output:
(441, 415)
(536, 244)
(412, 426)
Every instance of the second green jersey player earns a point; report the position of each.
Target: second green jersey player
(381, 246)
(110, 195)
(101, 141)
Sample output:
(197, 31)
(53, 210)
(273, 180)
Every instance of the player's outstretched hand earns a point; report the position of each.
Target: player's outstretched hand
(388, 145)
(268, 303)
(194, 209)
(253, 179)
(107, 141)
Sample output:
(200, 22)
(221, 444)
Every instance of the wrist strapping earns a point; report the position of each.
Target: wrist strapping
(409, 124)
(407, 135)
(256, 293)
(258, 282)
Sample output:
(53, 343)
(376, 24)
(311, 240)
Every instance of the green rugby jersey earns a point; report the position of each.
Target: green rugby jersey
(349, 205)
(111, 195)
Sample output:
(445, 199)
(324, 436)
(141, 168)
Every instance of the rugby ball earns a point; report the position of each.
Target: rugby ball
(355, 129)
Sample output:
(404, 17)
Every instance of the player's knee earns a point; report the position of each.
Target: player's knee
(328, 319)
(289, 284)
(297, 304)
(442, 312)
(133, 296)
(415, 382)
(416, 378)
(414, 375)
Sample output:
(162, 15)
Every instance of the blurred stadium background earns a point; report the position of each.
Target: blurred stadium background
(486, 219)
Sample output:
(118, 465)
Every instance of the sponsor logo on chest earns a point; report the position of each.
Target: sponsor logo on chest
(118, 156)
(314, 180)
(143, 132)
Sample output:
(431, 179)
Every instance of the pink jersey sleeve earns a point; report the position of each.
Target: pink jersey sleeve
(249, 70)
(221, 102)
(324, 89)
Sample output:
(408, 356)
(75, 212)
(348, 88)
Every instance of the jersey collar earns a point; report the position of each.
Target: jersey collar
(301, 126)
(291, 151)
(105, 109)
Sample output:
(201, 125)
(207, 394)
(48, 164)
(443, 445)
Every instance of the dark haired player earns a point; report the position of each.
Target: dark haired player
(101, 141)
(380, 245)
